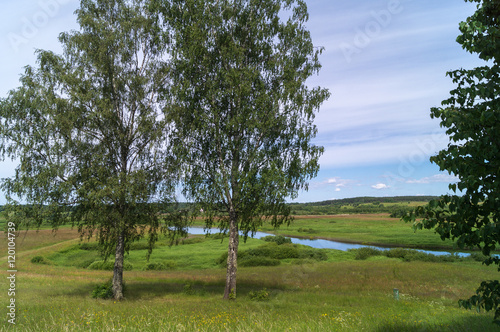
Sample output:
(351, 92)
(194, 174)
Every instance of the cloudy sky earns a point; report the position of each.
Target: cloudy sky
(384, 63)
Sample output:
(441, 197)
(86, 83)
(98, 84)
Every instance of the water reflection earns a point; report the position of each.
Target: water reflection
(324, 244)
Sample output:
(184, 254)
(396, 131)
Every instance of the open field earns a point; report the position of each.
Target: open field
(337, 294)
(370, 229)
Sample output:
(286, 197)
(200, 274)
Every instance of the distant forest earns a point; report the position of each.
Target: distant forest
(395, 206)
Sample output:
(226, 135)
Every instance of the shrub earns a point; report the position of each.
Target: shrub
(365, 252)
(188, 289)
(85, 264)
(108, 266)
(285, 251)
(105, 290)
(278, 239)
(259, 261)
(478, 257)
(274, 252)
(262, 295)
(222, 260)
(316, 254)
(40, 260)
(413, 255)
(265, 250)
(396, 253)
(307, 230)
(409, 255)
(157, 266)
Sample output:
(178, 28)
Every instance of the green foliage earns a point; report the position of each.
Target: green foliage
(105, 290)
(365, 252)
(262, 295)
(161, 266)
(396, 253)
(478, 257)
(85, 263)
(311, 253)
(487, 298)
(307, 230)
(40, 260)
(232, 295)
(272, 250)
(188, 289)
(471, 117)
(400, 212)
(271, 253)
(278, 239)
(244, 125)
(230, 60)
(407, 255)
(108, 266)
(88, 128)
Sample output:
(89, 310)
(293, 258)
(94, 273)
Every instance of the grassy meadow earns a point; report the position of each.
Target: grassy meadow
(310, 290)
(371, 229)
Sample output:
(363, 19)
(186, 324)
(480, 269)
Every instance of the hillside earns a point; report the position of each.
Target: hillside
(393, 205)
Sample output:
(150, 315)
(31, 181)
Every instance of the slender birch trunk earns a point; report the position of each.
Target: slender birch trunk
(230, 290)
(118, 268)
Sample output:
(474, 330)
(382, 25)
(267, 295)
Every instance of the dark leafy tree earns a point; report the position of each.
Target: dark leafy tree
(471, 115)
(244, 117)
(90, 133)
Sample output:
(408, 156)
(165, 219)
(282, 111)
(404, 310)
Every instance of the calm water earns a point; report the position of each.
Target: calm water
(322, 244)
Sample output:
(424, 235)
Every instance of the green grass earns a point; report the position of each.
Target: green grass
(340, 294)
(372, 229)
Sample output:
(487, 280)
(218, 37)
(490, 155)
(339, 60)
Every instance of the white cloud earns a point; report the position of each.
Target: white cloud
(380, 186)
(336, 182)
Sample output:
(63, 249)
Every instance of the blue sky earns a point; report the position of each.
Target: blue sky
(384, 63)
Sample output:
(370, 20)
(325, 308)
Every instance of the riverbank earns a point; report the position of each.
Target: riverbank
(366, 229)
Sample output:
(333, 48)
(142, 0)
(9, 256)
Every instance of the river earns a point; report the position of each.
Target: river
(324, 244)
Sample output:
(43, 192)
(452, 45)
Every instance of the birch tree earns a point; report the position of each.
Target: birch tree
(90, 133)
(244, 112)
